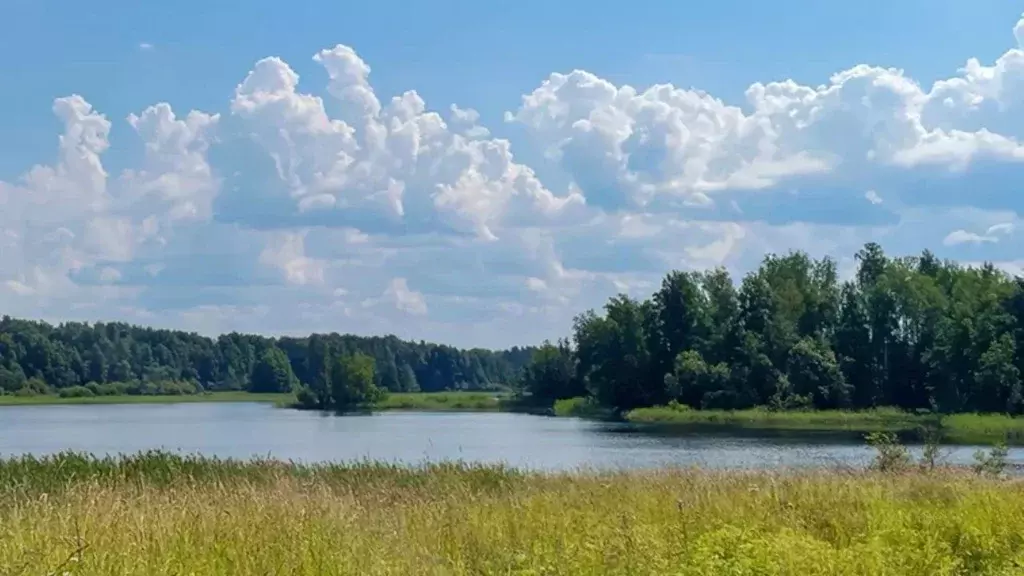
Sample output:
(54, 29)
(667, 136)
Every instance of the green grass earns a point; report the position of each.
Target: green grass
(957, 428)
(580, 408)
(131, 399)
(980, 428)
(161, 514)
(881, 419)
(444, 401)
(434, 401)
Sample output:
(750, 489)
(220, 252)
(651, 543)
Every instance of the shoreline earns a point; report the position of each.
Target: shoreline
(954, 429)
(961, 429)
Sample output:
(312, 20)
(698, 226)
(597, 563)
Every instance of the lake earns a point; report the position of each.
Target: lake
(244, 430)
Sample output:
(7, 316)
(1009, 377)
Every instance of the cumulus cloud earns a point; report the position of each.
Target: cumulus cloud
(964, 237)
(287, 253)
(341, 209)
(663, 147)
(395, 163)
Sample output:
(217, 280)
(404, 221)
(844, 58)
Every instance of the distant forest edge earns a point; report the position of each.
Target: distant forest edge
(115, 358)
(915, 333)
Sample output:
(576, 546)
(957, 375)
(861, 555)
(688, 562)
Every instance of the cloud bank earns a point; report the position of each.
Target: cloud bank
(290, 212)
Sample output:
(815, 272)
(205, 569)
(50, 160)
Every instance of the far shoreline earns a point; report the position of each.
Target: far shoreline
(954, 429)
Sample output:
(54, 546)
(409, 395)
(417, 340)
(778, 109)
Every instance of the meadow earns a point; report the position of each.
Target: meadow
(160, 513)
(954, 428)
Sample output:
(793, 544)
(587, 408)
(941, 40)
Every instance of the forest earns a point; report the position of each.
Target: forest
(116, 358)
(915, 333)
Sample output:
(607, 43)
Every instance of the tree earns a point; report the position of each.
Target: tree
(552, 374)
(352, 383)
(815, 376)
(272, 373)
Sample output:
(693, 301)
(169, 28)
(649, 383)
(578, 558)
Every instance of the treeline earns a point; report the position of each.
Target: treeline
(913, 332)
(111, 358)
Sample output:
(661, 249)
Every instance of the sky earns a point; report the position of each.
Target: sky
(477, 173)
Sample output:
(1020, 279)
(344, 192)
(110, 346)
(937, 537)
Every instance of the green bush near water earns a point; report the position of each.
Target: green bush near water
(580, 407)
(160, 513)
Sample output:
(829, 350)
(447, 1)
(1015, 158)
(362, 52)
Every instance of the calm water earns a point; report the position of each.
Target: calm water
(247, 429)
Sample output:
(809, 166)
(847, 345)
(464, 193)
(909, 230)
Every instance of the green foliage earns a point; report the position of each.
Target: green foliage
(993, 462)
(442, 401)
(551, 375)
(164, 513)
(40, 358)
(891, 455)
(931, 453)
(76, 392)
(351, 381)
(911, 333)
(273, 373)
(579, 407)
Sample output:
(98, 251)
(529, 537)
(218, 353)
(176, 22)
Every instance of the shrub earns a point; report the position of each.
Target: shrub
(992, 463)
(580, 407)
(892, 456)
(76, 392)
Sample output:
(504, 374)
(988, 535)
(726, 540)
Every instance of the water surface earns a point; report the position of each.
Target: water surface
(244, 430)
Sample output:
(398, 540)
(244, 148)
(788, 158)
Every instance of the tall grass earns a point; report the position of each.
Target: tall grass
(443, 401)
(879, 419)
(157, 514)
(954, 428)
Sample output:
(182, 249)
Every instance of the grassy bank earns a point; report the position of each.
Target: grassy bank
(159, 514)
(881, 420)
(434, 401)
(959, 428)
(444, 401)
(140, 399)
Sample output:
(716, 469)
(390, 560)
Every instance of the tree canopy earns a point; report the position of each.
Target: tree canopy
(912, 332)
(37, 357)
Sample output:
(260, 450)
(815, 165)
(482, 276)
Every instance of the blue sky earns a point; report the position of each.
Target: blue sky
(298, 197)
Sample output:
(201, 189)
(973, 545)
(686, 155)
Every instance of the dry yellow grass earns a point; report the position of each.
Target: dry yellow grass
(371, 519)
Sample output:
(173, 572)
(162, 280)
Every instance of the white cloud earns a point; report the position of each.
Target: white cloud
(287, 253)
(403, 298)
(964, 237)
(289, 208)
(1001, 228)
(145, 46)
(397, 162)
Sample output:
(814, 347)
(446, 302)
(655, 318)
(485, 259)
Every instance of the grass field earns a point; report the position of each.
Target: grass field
(158, 514)
(958, 428)
(133, 399)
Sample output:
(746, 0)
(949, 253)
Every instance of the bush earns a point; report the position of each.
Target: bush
(892, 456)
(580, 407)
(108, 388)
(305, 398)
(76, 392)
(992, 463)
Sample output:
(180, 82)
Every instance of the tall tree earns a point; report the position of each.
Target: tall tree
(273, 373)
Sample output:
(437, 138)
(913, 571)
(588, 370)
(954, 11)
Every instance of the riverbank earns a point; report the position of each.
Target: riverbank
(418, 401)
(445, 401)
(233, 396)
(956, 428)
(164, 514)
